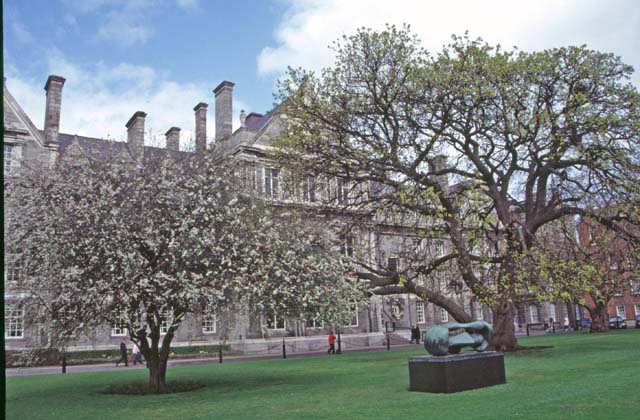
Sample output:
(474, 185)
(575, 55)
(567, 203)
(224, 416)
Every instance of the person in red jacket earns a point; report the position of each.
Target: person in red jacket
(332, 343)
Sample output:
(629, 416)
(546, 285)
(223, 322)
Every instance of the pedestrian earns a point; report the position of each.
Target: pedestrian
(566, 324)
(332, 343)
(123, 352)
(136, 356)
(415, 334)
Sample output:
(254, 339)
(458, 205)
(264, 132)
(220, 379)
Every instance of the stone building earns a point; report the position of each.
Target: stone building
(383, 242)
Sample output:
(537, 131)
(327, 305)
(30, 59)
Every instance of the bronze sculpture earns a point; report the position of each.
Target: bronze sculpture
(477, 334)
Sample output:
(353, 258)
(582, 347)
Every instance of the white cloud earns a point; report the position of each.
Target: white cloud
(125, 22)
(98, 101)
(310, 26)
(124, 29)
(188, 5)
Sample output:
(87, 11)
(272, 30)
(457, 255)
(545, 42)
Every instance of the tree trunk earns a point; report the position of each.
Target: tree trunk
(504, 332)
(599, 318)
(156, 356)
(158, 373)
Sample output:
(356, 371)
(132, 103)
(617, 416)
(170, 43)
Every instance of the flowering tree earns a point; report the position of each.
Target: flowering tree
(528, 138)
(106, 242)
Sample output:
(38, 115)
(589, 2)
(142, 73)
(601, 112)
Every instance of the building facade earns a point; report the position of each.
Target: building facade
(382, 243)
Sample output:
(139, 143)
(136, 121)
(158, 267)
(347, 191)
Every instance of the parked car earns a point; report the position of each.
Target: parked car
(637, 321)
(585, 323)
(617, 322)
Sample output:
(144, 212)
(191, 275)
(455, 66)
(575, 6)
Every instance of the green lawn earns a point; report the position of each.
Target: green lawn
(585, 376)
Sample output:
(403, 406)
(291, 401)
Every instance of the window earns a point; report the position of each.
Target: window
(309, 189)
(552, 312)
(420, 312)
(66, 321)
(479, 314)
(342, 191)
(208, 322)
(346, 245)
(444, 315)
(392, 265)
(621, 312)
(396, 310)
(535, 316)
(13, 319)
(271, 182)
(637, 308)
(12, 270)
(166, 321)
(275, 322)
(439, 249)
(8, 157)
(118, 328)
(325, 188)
(250, 172)
(313, 323)
(441, 276)
(354, 318)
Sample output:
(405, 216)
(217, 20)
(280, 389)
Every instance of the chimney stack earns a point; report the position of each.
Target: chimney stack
(53, 87)
(135, 135)
(243, 119)
(173, 138)
(201, 127)
(224, 114)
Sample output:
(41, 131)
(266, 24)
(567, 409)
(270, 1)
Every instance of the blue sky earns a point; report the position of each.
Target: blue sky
(164, 56)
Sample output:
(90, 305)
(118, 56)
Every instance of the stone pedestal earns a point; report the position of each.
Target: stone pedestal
(458, 372)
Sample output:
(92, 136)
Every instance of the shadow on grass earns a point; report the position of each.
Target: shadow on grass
(139, 388)
(237, 382)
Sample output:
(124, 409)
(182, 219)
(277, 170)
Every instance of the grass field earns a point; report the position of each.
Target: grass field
(584, 376)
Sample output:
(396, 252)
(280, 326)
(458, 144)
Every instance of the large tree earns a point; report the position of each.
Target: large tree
(102, 241)
(487, 146)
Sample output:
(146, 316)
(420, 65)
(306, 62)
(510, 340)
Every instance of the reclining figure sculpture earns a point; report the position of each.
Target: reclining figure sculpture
(477, 334)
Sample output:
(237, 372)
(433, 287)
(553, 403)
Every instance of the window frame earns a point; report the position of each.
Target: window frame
(355, 316)
(209, 323)
(8, 158)
(271, 182)
(115, 327)
(420, 312)
(622, 315)
(342, 191)
(438, 249)
(166, 320)
(272, 323)
(444, 315)
(14, 314)
(309, 189)
(534, 319)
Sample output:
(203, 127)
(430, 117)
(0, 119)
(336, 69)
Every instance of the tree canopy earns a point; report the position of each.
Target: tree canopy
(105, 242)
(491, 145)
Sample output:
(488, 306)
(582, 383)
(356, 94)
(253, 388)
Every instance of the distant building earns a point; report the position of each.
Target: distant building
(618, 263)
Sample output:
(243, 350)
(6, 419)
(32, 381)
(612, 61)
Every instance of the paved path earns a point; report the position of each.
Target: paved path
(105, 367)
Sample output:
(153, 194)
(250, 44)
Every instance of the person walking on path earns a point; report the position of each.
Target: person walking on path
(332, 343)
(136, 356)
(123, 353)
(415, 334)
